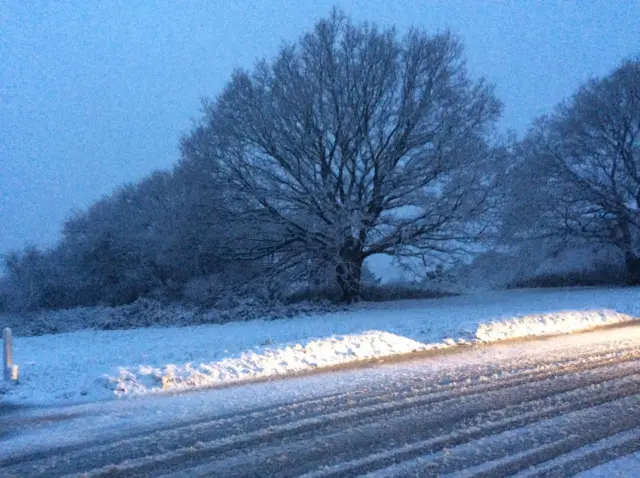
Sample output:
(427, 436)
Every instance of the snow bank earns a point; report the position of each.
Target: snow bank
(94, 365)
(549, 324)
(269, 363)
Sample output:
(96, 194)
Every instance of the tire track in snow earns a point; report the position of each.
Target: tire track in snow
(529, 401)
(588, 456)
(160, 441)
(268, 462)
(440, 444)
(520, 449)
(279, 423)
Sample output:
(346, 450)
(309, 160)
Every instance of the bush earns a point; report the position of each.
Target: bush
(314, 295)
(602, 276)
(370, 293)
(5, 295)
(400, 291)
(226, 291)
(151, 313)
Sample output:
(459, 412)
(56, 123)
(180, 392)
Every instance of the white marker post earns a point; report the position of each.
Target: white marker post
(10, 370)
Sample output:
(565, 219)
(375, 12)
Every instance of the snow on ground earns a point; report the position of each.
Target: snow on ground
(627, 466)
(32, 429)
(94, 365)
(624, 466)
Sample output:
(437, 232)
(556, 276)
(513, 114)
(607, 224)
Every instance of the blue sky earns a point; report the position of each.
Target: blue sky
(96, 94)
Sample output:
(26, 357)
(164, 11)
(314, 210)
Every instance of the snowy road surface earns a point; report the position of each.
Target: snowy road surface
(547, 407)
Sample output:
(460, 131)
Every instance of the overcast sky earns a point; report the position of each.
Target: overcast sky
(94, 94)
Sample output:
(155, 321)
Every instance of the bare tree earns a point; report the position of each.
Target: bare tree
(580, 174)
(353, 142)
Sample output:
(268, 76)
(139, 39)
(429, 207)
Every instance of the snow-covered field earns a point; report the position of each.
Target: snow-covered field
(96, 365)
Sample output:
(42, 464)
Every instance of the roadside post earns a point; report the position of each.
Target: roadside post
(10, 370)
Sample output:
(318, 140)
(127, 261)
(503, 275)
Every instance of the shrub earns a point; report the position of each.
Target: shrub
(603, 275)
(370, 293)
(401, 291)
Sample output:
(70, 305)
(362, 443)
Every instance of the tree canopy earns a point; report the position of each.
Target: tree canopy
(354, 142)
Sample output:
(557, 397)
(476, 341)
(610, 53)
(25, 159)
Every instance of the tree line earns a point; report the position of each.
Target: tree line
(353, 141)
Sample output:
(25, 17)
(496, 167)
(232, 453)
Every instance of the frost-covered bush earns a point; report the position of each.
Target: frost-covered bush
(538, 265)
(5, 294)
(232, 289)
(203, 291)
(598, 275)
(374, 293)
(152, 313)
(402, 291)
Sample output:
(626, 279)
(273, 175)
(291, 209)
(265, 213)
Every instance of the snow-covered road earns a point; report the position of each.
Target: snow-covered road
(546, 407)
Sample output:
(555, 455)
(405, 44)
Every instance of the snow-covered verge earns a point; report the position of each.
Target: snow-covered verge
(94, 365)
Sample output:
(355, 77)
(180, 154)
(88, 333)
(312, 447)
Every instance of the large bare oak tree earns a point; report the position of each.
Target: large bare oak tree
(353, 142)
(580, 172)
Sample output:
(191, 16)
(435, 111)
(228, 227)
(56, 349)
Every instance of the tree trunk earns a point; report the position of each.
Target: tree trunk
(632, 263)
(349, 280)
(349, 271)
(631, 259)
